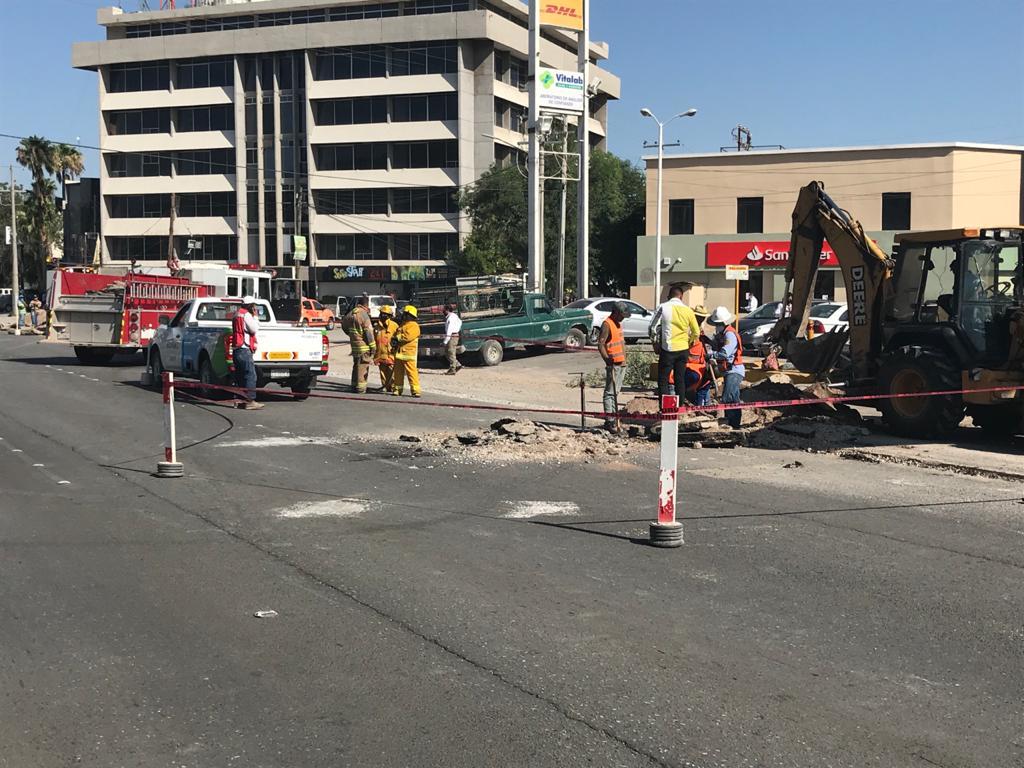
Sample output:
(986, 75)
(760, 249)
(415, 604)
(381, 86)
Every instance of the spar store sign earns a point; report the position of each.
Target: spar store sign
(760, 254)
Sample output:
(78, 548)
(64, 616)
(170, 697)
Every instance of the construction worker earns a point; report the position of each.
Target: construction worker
(359, 328)
(612, 346)
(245, 326)
(406, 343)
(452, 332)
(728, 350)
(385, 328)
(698, 373)
(673, 330)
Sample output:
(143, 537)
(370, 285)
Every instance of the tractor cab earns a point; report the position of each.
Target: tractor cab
(957, 290)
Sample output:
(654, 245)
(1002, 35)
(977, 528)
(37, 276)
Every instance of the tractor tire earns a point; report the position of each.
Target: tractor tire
(491, 352)
(997, 420)
(920, 369)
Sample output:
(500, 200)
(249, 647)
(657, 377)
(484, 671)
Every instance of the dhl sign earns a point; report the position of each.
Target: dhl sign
(567, 14)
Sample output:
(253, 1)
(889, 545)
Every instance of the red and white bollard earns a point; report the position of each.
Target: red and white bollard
(667, 531)
(170, 467)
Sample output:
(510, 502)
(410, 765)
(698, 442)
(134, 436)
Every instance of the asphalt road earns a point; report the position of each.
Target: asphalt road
(433, 612)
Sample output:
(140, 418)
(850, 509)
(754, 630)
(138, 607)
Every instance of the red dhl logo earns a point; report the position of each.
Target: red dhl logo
(562, 10)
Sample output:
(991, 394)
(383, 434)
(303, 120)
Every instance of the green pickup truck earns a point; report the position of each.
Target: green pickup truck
(515, 319)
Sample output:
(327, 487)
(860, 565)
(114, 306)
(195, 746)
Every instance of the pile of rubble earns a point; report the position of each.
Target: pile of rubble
(820, 426)
(514, 440)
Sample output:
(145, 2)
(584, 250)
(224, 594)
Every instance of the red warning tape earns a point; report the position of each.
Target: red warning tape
(599, 414)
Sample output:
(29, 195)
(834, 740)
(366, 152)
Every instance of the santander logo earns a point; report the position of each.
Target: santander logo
(754, 254)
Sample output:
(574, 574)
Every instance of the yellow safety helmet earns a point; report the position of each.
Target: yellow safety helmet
(386, 309)
(409, 309)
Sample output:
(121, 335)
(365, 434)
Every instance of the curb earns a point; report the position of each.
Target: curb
(871, 457)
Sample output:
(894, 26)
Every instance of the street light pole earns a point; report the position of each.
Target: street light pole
(14, 260)
(658, 216)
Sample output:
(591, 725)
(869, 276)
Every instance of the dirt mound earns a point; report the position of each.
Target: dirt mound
(514, 440)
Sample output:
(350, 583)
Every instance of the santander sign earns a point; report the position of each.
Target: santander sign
(759, 254)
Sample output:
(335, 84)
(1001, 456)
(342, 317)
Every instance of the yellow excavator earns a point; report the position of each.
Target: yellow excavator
(943, 313)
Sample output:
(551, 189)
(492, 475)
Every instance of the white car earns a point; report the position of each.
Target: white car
(634, 327)
(831, 315)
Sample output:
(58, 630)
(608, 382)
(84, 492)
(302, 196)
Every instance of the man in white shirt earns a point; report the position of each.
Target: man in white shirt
(452, 332)
(751, 304)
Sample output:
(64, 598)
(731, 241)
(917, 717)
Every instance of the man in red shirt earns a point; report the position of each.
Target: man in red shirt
(244, 328)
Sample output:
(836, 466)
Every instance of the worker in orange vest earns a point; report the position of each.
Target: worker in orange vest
(612, 346)
(728, 351)
(698, 374)
(384, 329)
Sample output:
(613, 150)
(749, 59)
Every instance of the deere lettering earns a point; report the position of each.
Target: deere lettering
(858, 296)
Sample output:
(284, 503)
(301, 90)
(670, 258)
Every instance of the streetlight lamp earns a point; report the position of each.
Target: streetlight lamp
(661, 156)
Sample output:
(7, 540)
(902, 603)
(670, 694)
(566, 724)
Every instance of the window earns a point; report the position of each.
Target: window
(215, 118)
(895, 210)
(206, 204)
(425, 154)
(437, 247)
(351, 247)
(431, 106)
(205, 162)
(424, 59)
(423, 200)
(138, 206)
(749, 214)
(360, 61)
(138, 121)
(129, 78)
(352, 157)
(680, 217)
(132, 164)
(372, 109)
(349, 201)
(205, 73)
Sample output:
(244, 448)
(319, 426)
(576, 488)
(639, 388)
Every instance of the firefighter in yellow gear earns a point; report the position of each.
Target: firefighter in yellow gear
(385, 328)
(359, 328)
(406, 343)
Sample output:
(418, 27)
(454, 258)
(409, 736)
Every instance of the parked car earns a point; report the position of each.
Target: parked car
(305, 312)
(831, 314)
(754, 328)
(634, 327)
(344, 304)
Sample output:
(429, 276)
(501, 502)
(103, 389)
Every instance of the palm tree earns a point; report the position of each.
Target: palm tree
(68, 164)
(37, 154)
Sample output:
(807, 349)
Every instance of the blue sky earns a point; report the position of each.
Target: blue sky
(797, 73)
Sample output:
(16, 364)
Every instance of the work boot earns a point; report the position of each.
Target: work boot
(416, 394)
(251, 405)
(451, 371)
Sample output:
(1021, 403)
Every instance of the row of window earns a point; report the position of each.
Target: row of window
(156, 75)
(750, 214)
(198, 162)
(286, 18)
(366, 61)
(217, 117)
(374, 156)
(155, 206)
(384, 109)
(383, 200)
(509, 115)
(510, 69)
(154, 248)
(435, 246)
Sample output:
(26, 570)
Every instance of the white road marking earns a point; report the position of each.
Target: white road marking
(38, 465)
(523, 510)
(331, 508)
(16, 450)
(271, 442)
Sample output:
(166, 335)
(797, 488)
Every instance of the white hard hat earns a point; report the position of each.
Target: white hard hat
(247, 300)
(721, 316)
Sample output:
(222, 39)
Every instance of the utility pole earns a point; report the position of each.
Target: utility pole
(560, 295)
(535, 210)
(583, 139)
(172, 261)
(14, 258)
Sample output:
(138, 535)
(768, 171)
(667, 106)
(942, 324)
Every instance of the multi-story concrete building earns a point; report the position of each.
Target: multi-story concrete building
(354, 123)
(736, 208)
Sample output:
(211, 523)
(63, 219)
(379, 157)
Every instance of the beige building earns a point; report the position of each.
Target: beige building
(352, 123)
(735, 208)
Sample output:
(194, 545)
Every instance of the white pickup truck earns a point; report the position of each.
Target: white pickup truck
(196, 344)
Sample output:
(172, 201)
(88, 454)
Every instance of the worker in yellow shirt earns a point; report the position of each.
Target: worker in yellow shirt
(406, 343)
(384, 330)
(673, 330)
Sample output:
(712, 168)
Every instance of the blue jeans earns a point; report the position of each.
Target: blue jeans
(245, 372)
(731, 394)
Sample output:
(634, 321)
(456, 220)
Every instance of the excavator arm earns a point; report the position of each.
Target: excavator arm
(866, 272)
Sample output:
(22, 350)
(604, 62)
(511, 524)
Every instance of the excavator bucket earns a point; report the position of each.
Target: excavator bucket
(819, 355)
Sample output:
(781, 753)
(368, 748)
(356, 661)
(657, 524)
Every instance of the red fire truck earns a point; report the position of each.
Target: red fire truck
(102, 315)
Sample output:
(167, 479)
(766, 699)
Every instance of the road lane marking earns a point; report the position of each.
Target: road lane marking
(38, 466)
(331, 508)
(523, 510)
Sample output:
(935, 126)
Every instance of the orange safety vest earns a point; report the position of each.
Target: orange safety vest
(616, 344)
(698, 358)
(738, 359)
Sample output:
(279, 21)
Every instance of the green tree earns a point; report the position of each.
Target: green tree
(68, 164)
(497, 208)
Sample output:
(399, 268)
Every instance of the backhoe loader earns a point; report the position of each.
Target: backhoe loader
(944, 312)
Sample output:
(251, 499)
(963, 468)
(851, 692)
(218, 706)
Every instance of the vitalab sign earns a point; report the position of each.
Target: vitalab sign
(561, 90)
(759, 254)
